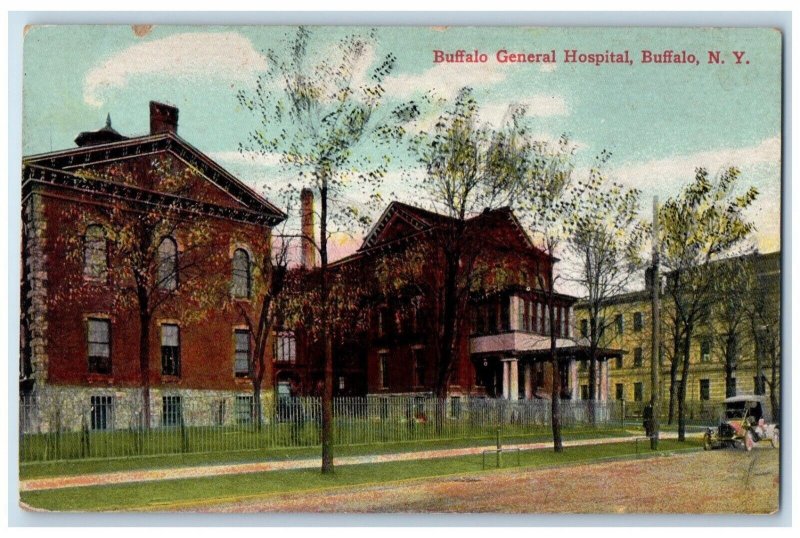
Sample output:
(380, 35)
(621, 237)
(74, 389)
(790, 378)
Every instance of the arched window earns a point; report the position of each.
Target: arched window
(168, 264)
(240, 282)
(95, 257)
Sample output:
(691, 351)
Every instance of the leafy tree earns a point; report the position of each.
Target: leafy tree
(703, 223)
(546, 209)
(469, 168)
(606, 242)
(323, 115)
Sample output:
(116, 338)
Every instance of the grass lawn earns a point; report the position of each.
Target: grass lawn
(177, 493)
(75, 467)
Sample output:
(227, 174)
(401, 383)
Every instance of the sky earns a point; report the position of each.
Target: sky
(659, 121)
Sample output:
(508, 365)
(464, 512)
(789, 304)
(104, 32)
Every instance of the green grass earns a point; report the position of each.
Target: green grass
(175, 493)
(74, 467)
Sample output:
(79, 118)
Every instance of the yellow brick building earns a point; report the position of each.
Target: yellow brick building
(628, 326)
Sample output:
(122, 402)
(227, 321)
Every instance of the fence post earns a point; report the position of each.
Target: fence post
(499, 449)
(622, 415)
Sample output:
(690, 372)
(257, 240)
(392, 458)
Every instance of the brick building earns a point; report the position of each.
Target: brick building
(81, 316)
(503, 343)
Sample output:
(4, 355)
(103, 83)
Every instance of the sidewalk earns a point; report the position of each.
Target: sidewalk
(177, 473)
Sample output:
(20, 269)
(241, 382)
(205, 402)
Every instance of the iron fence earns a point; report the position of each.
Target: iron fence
(53, 428)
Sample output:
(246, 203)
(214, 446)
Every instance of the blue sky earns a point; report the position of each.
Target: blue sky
(659, 121)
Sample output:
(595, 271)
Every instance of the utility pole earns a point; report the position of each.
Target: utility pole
(655, 361)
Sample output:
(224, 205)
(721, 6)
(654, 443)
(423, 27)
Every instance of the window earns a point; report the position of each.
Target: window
(637, 392)
(618, 362)
(705, 350)
(637, 357)
(619, 322)
(584, 392)
(585, 328)
(95, 256)
(383, 369)
(102, 412)
(705, 390)
(240, 281)
(171, 411)
(284, 389)
(638, 321)
(285, 347)
(527, 324)
(244, 409)
(99, 345)
(383, 321)
(455, 406)
(341, 382)
(540, 317)
(218, 412)
(241, 360)
(414, 314)
(619, 391)
(582, 365)
(418, 364)
(419, 407)
(170, 350)
(168, 264)
(505, 313)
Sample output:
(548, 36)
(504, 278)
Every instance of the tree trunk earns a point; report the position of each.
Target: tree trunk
(144, 363)
(555, 407)
(774, 388)
(327, 389)
(682, 386)
(594, 338)
(730, 365)
(673, 375)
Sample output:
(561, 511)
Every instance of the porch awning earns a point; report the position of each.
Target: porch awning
(537, 345)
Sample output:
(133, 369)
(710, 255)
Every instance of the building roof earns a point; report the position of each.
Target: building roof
(104, 135)
(420, 220)
(126, 148)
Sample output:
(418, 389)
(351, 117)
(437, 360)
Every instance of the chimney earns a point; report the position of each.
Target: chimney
(163, 118)
(308, 258)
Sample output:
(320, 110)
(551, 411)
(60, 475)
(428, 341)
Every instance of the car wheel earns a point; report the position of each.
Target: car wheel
(707, 442)
(749, 442)
(776, 438)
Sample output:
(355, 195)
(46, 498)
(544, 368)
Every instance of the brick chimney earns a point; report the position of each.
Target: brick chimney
(308, 256)
(163, 118)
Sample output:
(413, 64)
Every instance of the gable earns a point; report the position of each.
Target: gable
(396, 227)
(135, 162)
(393, 224)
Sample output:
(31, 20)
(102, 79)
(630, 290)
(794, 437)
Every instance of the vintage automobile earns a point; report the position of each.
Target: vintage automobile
(745, 421)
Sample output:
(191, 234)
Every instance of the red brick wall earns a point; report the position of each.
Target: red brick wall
(207, 345)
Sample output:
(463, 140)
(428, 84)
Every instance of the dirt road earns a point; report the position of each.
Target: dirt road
(721, 481)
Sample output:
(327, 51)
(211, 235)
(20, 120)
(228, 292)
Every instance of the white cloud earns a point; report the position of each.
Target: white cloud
(679, 169)
(445, 79)
(536, 105)
(246, 158)
(222, 55)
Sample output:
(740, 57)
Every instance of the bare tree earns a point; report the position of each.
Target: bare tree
(606, 243)
(317, 113)
(732, 287)
(545, 208)
(703, 223)
(152, 257)
(763, 310)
